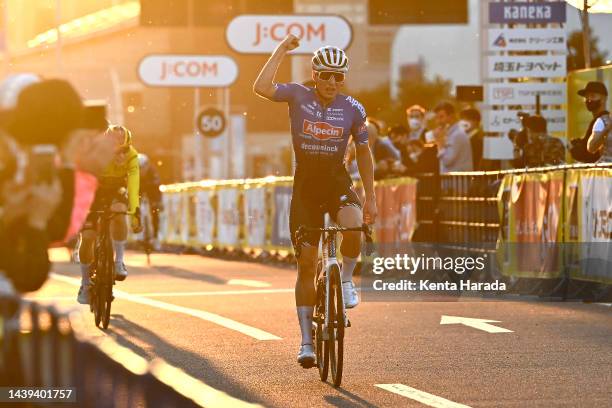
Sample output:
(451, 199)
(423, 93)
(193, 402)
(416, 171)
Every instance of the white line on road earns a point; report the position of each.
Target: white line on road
(480, 324)
(248, 282)
(420, 396)
(184, 294)
(201, 314)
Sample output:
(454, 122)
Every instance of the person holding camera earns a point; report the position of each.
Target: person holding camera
(533, 147)
(42, 123)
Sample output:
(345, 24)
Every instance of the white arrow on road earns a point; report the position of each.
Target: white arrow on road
(480, 324)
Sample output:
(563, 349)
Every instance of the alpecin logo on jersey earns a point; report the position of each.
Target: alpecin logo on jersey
(322, 130)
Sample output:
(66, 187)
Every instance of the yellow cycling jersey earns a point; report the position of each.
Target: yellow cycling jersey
(125, 167)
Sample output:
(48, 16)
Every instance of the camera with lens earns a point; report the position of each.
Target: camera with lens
(519, 137)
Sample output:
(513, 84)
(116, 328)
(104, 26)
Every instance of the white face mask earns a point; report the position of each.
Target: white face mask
(414, 123)
(465, 125)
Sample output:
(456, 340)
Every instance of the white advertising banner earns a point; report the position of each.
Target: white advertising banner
(205, 217)
(550, 66)
(209, 71)
(255, 216)
(525, 93)
(260, 34)
(527, 39)
(503, 121)
(228, 216)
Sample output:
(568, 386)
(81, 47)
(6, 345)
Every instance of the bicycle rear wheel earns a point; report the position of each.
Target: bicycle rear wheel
(336, 325)
(319, 318)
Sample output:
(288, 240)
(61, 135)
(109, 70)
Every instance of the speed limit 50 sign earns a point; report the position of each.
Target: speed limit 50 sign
(211, 122)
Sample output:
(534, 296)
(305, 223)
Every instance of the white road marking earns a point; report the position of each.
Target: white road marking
(201, 314)
(420, 396)
(183, 294)
(247, 282)
(605, 304)
(480, 324)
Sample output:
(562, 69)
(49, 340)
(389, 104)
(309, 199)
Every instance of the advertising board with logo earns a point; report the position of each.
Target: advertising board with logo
(281, 235)
(527, 39)
(550, 66)
(503, 121)
(255, 216)
(205, 217)
(209, 71)
(228, 216)
(260, 34)
(525, 93)
(527, 13)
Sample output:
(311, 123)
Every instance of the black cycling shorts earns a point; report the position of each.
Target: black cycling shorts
(314, 195)
(106, 195)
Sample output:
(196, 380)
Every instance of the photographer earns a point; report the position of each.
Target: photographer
(533, 147)
(41, 189)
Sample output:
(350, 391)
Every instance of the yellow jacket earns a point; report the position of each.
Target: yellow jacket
(129, 169)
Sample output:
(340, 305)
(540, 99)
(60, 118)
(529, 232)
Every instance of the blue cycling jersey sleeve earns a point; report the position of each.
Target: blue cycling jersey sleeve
(286, 92)
(359, 129)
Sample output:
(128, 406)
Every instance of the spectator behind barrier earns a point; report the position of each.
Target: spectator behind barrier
(454, 149)
(540, 149)
(470, 122)
(599, 141)
(387, 159)
(422, 158)
(41, 136)
(416, 123)
(595, 94)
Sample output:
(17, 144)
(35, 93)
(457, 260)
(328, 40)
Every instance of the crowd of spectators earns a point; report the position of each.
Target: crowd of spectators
(439, 141)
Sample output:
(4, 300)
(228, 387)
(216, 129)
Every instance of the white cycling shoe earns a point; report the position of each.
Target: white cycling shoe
(83, 296)
(351, 299)
(306, 357)
(120, 271)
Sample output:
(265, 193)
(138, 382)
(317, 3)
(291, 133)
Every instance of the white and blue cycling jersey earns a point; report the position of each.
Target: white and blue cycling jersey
(321, 133)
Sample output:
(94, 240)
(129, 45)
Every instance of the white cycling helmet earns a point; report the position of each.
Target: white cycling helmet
(330, 58)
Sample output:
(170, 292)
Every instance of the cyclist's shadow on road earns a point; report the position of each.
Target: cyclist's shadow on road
(123, 331)
(181, 274)
(347, 400)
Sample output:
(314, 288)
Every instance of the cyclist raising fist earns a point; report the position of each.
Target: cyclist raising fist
(322, 123)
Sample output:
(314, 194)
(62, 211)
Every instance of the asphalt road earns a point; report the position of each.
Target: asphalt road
(233, 326)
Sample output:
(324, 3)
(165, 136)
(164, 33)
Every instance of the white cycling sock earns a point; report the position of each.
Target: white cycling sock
(348, 266)
(305, 318)
(119, 247)
(85, 274)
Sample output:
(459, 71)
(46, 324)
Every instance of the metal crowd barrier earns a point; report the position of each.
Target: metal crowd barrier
(460, 211)
(43, 347)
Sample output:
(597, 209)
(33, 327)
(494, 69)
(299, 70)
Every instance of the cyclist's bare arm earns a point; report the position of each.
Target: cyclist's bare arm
(366, 172)
(264, 84)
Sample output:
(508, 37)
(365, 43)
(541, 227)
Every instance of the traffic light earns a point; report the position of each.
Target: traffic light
(394, 12)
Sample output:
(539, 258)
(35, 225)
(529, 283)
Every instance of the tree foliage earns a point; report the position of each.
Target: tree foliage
(575, 48)
(427, 93)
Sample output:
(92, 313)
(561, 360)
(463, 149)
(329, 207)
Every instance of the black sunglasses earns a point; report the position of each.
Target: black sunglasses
(327, 75)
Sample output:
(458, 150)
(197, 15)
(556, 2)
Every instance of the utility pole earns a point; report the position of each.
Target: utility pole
(586, 34)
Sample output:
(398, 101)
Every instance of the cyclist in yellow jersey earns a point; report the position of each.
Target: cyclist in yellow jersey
(123, 172)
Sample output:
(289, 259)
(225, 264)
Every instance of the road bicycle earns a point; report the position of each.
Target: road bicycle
(330, 319)
(102, 271)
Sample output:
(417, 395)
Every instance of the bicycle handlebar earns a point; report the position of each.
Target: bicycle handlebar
(365, 228)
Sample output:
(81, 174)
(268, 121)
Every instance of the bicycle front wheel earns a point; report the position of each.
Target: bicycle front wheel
(321, 345)
(107, 287)
(335, 309)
